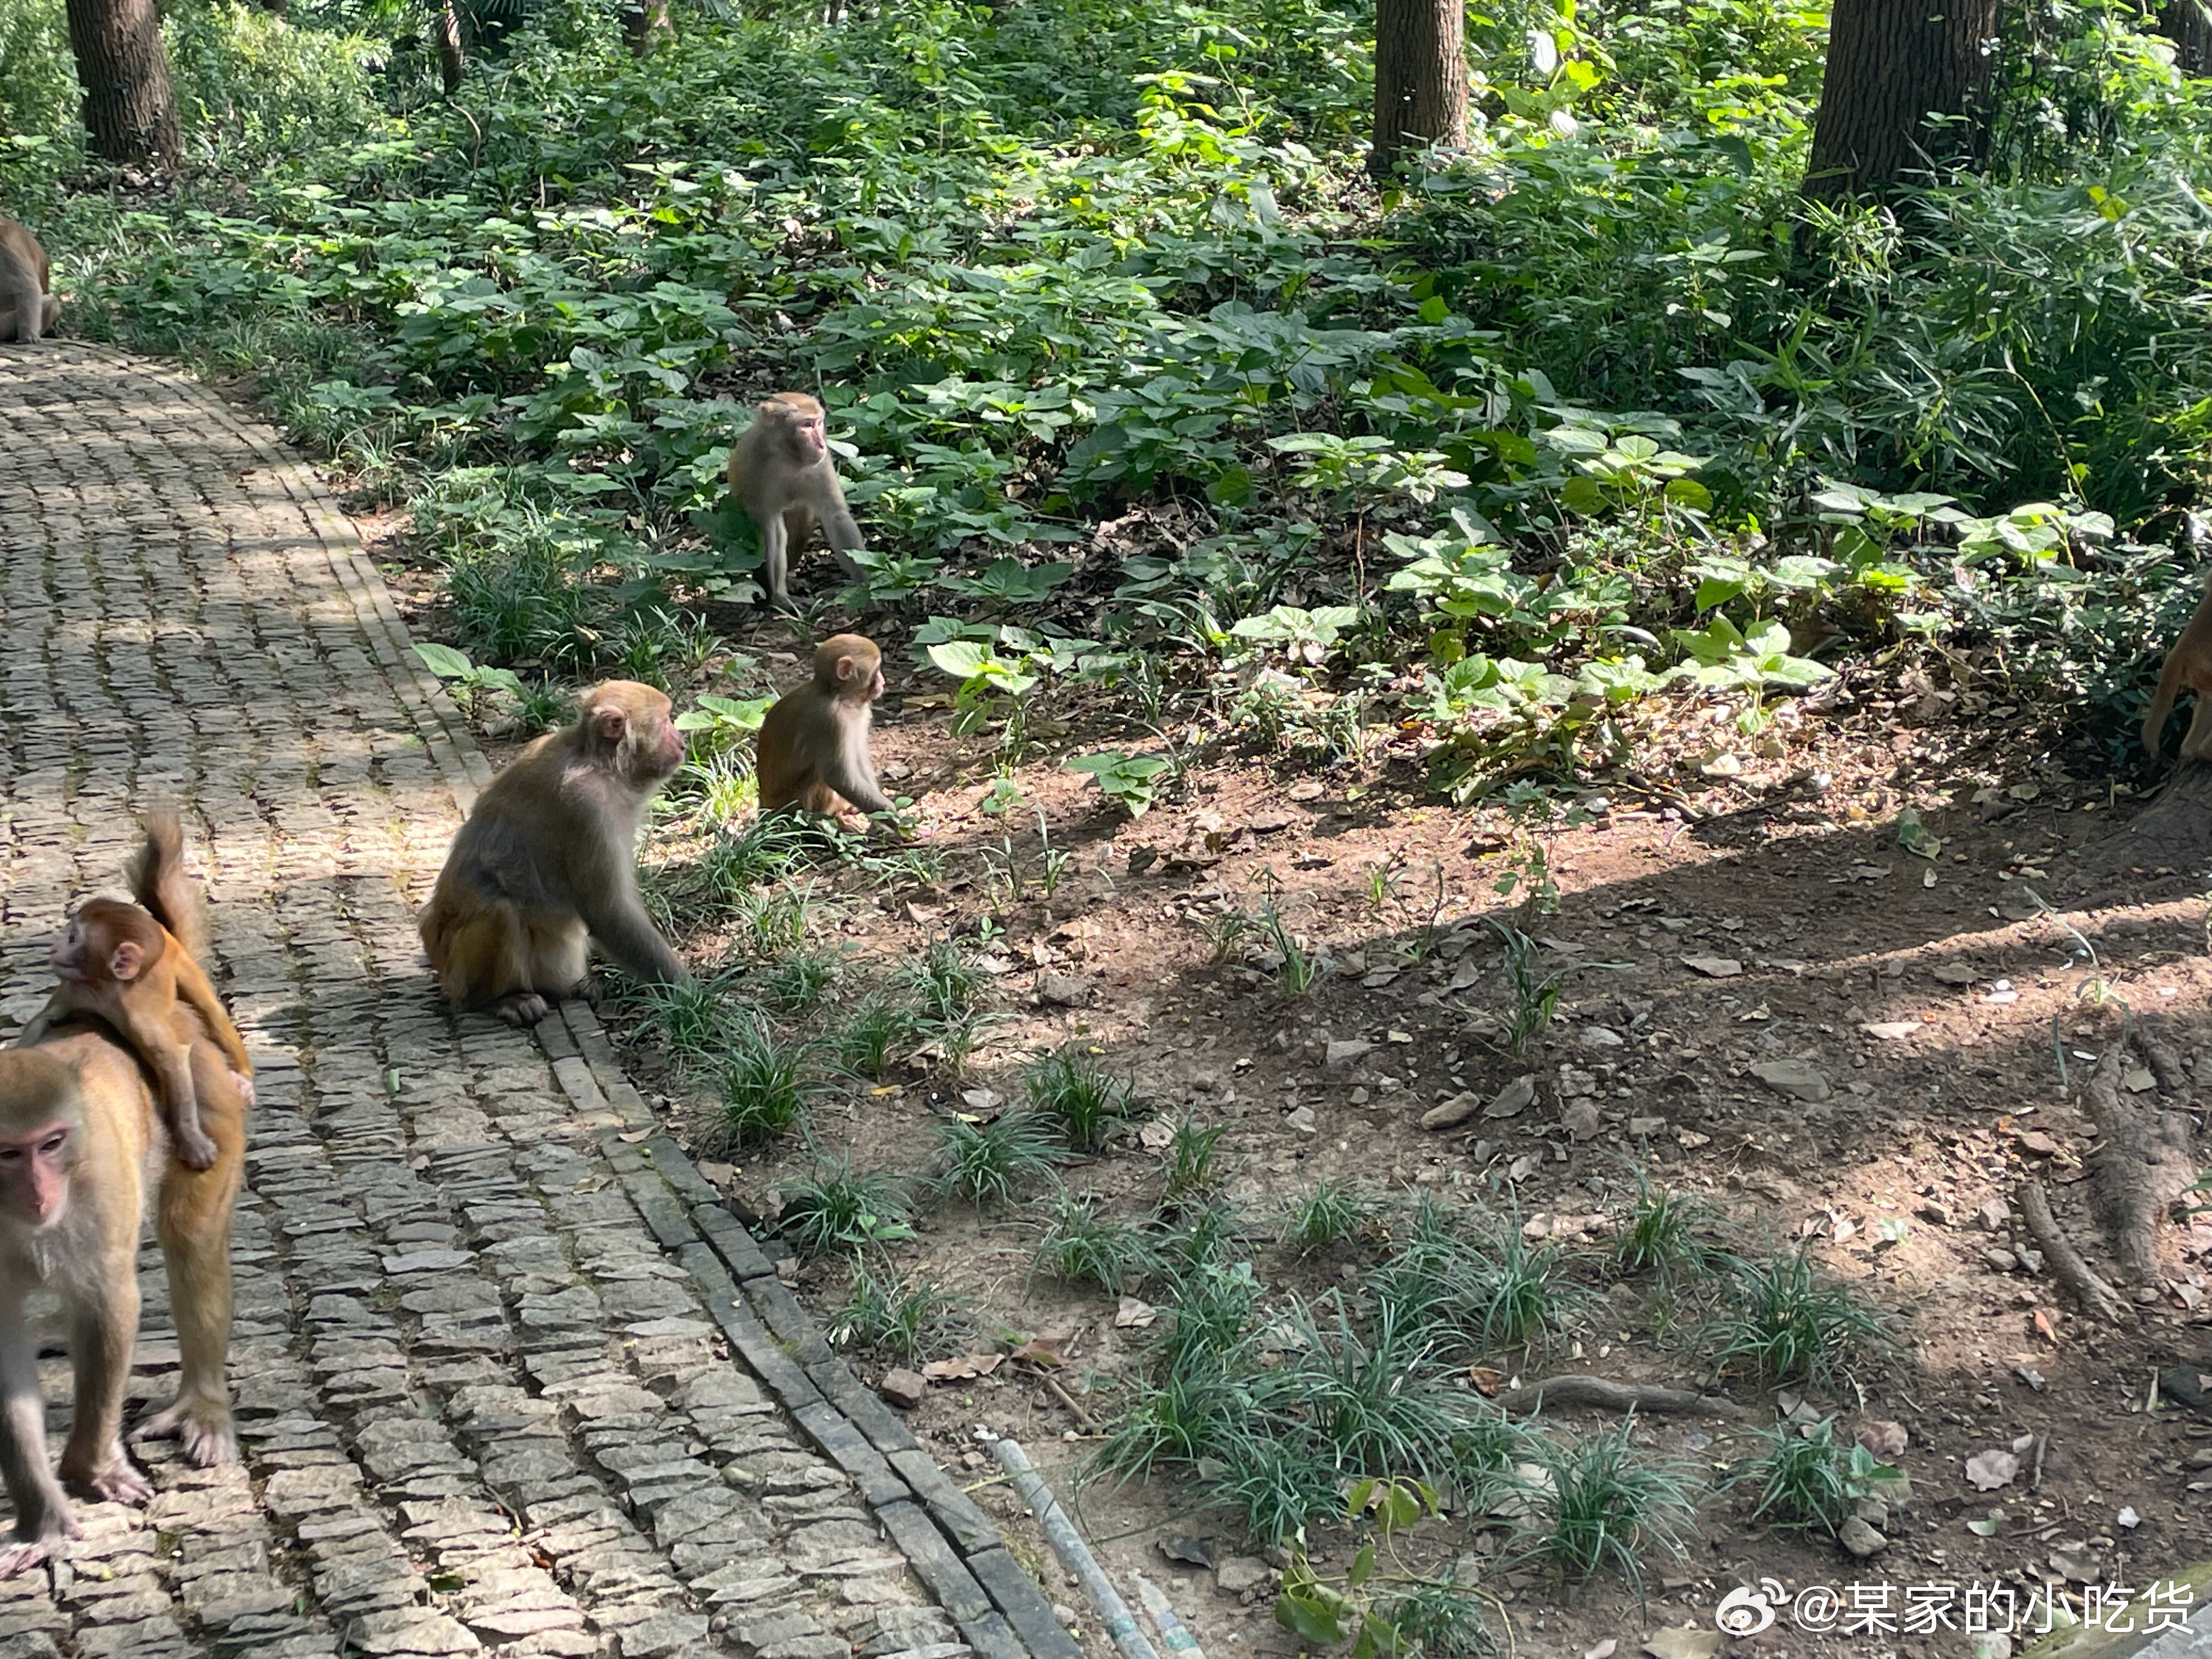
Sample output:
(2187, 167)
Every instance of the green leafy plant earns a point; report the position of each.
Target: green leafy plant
(465, 679)
(766, 1088)
(1600, 1503)
(907, 1319)
(881, 1026)
(1082, 1247)
(1191, 1155)
(1808, 1479)
(1131, 780)
(1789, 1323)
(1326, 1214)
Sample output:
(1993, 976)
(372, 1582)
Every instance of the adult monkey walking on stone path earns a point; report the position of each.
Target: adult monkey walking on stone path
(80, 1137)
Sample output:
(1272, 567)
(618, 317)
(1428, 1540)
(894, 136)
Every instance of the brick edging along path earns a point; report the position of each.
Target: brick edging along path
(510, 1376)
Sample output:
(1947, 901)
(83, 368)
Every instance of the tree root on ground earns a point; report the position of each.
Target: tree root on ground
(1612, 1396)
(2095, 1295)
(2145, 1160)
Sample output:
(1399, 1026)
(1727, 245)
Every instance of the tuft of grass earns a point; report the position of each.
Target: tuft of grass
(767, 850)
(766, 1089)
(802, 979)
(1599, 1505)
(1326, 1214)
(881, 1027)
(1808, 1478)
(725, 789)
(909, 1319)
(1521, 1296)
(1660, 1235)
(1440, 1620)
(1535, 995)
(1088, 1103)
(1203, 1238)
(988, 1163)
(947, 982)
(1793, 1323)
(835, 1208)
(1297, 969)
(775, 920)
(542, 705)
(1191, 1158)
(693, 1019)
(1081, 1247)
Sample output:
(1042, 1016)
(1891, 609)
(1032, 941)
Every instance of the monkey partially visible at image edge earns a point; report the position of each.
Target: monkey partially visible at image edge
(78, 1146)
(2188, 666)
(27, 309)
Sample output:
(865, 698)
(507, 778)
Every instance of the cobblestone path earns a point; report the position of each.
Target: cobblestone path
(508, 1378)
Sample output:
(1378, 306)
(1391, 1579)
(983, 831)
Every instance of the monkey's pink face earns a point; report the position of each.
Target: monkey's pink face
(68, 954)
(661, 745)
(813, 442)
(35, 1174)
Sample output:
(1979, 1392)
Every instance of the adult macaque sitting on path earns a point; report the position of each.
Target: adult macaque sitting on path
(548, 863)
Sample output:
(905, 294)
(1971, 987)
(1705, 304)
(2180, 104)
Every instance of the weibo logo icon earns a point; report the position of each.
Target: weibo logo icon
(1746, 1612)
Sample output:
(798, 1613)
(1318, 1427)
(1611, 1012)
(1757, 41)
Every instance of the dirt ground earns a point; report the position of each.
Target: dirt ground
(1749, 903)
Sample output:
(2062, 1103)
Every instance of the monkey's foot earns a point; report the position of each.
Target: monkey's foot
(522, 1008)
(20, 1558)
(116, 1481)
(203, 1430)
(193, 1148)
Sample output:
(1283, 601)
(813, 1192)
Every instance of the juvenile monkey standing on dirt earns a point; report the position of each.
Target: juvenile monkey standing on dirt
(26, 309)
(782, 473)
(2189, 664)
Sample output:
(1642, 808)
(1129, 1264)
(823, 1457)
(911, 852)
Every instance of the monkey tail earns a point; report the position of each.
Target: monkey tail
(2161, 702)
(158, 881)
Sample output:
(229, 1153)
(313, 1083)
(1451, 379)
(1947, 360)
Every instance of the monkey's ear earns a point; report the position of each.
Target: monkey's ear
(125, 961)
(609, 725)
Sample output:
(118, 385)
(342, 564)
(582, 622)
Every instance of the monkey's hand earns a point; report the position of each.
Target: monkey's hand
(245, 1088)
(120, 1482)
(22, 1556)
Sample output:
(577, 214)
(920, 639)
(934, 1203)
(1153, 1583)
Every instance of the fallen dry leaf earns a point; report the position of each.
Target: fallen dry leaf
(968, 1365)
(1486, 1382)
(1134, 1313)
(1042, 1351)
(1990, 1469)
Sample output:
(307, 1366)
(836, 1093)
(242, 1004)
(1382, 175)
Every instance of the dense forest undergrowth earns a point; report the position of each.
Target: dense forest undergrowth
(1575, 624)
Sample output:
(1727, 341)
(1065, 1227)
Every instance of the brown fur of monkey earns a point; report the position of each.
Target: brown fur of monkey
(782, 473)
(78, 1146)
(547, 863)
(28, 308)
(2188, 665)
(813, 745)
(120, 965)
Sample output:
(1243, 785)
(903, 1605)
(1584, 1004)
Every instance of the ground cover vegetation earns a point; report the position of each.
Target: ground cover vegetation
(1176, 434)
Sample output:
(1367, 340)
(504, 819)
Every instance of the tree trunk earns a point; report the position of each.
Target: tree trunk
(2188, 24)
(2172, 837)
(452, 61)
(646, 25)
(129, 107)
(1420, 77)
(1894, 67)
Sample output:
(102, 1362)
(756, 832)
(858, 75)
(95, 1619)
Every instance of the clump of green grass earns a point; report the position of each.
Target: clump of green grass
(1535, 994)
(1326, 1214)
(989, 1162)
(1081, 1247)
(835, 1208)
(908, 1319)
(775, 920)
(1191, 1159)
(947, 982)
(802, 979)
(1521, 1293)
(1297, 968)
(764, 853)
(693, 1019)
(1660, 1235)
(1088, 1103)
(1808, 1478)
(1438, 1620)
(881, 1027)
(1601, 1504)
(766, 1091)
(1791, 1322)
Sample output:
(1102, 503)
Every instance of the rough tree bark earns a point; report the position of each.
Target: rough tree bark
(646, 25)
(129, 107)
(453, 59)
(2188, 24)
(1420, 77)
(1893, 65)
(2171, 836)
